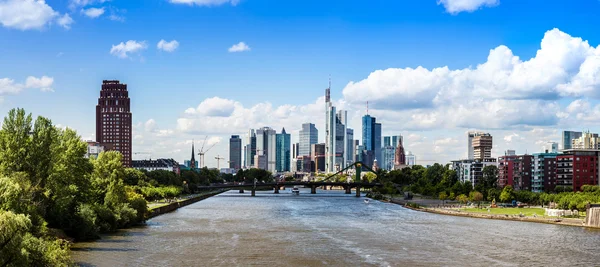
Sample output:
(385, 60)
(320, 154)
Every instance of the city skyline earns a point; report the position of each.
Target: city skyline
(183, 87)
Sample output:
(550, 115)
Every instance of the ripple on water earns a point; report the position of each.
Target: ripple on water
(333, 229)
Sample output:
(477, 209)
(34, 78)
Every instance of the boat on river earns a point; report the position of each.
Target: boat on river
(366, 201)
(296, 190)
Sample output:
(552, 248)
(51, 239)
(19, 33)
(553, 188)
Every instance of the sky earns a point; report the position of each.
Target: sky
(431, 70)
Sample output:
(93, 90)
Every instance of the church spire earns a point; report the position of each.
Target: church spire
(193, 160)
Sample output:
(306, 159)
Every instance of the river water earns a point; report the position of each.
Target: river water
(334, 229)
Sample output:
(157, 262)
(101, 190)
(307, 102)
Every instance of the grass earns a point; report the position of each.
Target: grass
(510, 211)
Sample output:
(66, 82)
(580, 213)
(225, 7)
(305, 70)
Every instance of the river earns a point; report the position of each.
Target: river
(334, 229)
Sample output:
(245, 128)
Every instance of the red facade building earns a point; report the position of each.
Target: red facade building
(113, 119)
(576, 168)
(515, 171)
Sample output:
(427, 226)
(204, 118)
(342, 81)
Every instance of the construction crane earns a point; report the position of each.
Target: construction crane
(202, 152)
(218, 158)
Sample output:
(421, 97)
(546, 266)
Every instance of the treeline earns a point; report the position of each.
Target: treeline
(48, 188)
(441, 182)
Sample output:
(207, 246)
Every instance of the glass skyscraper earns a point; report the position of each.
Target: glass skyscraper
(283, 143)
(309, 135)
(567, 138)
(371, 131)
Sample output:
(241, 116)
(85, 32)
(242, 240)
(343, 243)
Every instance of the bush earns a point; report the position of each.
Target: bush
(86, 227)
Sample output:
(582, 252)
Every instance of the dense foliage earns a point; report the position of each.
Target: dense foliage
(48, 186)
(442, 183)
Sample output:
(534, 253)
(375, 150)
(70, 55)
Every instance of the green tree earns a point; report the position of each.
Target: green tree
(15, 141)
(18, 247)
(462, 198)
(443, 196)
(134, 177)
(490, 176)
(507, 194)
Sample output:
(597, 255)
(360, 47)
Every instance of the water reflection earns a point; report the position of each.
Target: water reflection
(335, 229)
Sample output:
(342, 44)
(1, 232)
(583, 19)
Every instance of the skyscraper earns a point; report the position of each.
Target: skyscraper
(568, 137)
(283, 156)
(335, 135)
(266, 150)
(387, 141)
(349, 146)
(371, 139)
(235, 152)
(250, 149)
(479, 145)
(309, 135)
(113, 119)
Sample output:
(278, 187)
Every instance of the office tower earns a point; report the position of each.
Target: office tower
(250, 149)
(235, 152)
(335, 135)
(550, 147)
(283, 156)
(387, 141)
(295, 148)
(377, 140)
(113, 119)
(350, 146)
(411, 159)
(388, 155)
(510, 152)
(371, 139)
(568, 137)
(318, 157)
(266, 149)
(479, 145)
(586, 141)
(309, 135)
(396, 139)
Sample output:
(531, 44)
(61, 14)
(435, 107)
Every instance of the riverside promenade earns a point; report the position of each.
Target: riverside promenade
(455, 209)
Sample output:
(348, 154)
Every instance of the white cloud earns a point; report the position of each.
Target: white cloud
(93, 12)
(130, 47)
(150, 125)
(65, 21)
(239, 47)
(74, 4)
(26, 14)
(504, 91)
(44, 83)
(9, 86)
(206, 2)
(167, 46)
(457, 6)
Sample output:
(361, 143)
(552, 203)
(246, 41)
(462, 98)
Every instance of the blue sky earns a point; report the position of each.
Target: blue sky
(371, 49)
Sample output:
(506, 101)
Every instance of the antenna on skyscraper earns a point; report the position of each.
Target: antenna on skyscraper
(367, 107)
(328, 91)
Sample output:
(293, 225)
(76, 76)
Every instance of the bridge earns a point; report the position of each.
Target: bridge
(313, 185)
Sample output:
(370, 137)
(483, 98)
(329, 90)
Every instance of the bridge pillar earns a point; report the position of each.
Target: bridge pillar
(313, 189)
(276, 189)
(357, 191)
(253, 192)
(348, 189)
(241, 191)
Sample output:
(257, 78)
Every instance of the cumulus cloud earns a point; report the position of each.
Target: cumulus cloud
(9, 86)
(44, 83)
(150, 125)
(93, 12)
(206, 2)
(30, 14)
(167, 46)
(65, 21)
(239, 47)
(502, 92)
(123, 50)
(457, 6)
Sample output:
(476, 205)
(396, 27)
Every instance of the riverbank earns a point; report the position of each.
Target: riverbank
(166, 208)
(506, 217)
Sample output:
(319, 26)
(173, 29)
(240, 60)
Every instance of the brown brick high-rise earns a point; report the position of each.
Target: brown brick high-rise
(113, 119)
